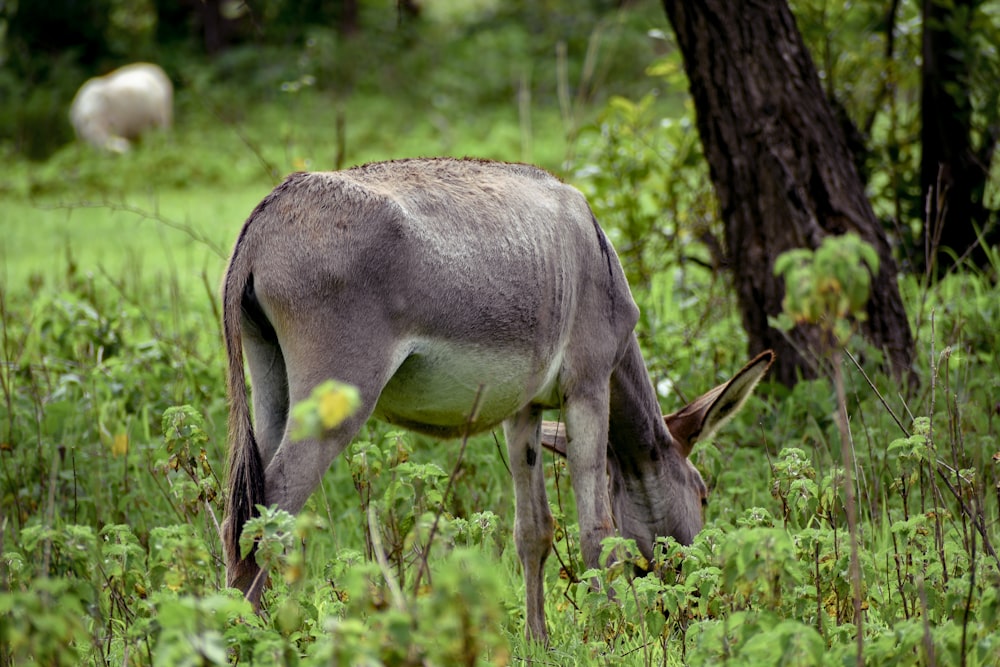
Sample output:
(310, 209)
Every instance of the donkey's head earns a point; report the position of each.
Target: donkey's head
(659, 492)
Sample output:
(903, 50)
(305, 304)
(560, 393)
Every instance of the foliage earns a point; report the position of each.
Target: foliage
(476, 53)
(826, 286)
(641, 167)
(115, 556)
(647, 182)
(112, 416)
(868, 55)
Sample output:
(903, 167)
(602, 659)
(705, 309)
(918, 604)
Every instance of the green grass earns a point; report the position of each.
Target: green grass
(180, 233)
(109, 545)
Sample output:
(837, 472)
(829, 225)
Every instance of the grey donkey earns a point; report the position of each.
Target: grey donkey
(436, 285)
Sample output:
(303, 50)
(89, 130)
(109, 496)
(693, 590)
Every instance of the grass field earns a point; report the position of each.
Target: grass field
(112, 436)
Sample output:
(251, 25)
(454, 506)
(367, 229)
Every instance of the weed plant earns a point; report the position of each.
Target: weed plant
(113, 430)
(112, 437)
(112, 450)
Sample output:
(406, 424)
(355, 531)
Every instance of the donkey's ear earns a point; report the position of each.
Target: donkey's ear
(706, 414)
(554, 437)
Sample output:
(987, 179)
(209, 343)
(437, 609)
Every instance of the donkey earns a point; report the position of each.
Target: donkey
(436, 285)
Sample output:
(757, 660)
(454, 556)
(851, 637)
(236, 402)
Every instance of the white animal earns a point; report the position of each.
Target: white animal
(111, 111)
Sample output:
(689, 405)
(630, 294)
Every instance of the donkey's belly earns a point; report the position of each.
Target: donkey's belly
(449, 389)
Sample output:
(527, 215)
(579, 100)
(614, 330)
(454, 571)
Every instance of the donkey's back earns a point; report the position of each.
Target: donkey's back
(487, 245)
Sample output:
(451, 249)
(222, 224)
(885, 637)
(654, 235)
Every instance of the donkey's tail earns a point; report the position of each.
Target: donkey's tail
(246, 473)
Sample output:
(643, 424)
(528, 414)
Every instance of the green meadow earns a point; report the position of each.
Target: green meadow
(113, 411)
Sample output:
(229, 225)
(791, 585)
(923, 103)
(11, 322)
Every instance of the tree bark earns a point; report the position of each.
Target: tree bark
(781, 168)
(348, 24)
(953, 174)
(212, 23)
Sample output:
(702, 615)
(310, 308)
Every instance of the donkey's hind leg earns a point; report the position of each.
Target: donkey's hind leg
(269, 383)
(533, 525)
(316, 349)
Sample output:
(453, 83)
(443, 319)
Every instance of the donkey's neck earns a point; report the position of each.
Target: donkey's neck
(636, 431)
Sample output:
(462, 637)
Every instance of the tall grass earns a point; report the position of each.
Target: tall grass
(112, 430)
(112, 499)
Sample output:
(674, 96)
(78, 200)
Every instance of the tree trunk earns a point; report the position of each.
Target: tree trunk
(781, 168)
(347, 24)
(210, 13)
(952, 174)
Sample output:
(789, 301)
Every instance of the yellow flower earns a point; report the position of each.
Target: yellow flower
(336, 404)
(119, 446)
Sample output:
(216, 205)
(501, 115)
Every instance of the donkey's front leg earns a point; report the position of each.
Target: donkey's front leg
(587, 431)
(533, 525)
